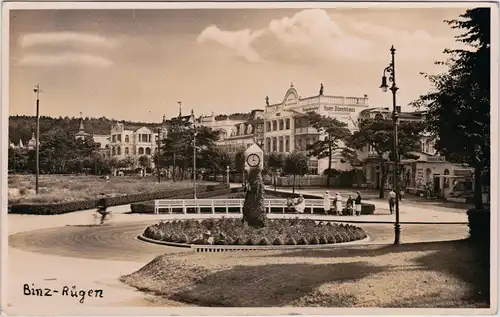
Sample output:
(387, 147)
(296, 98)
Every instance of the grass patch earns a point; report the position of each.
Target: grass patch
(67, 188)
(437, 274)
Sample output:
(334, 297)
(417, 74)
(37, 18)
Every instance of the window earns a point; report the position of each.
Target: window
(126, 151)
(119, 137)
(141, 151)
(275, 125)
(113, 138)
(113, 151)
(268, 129)
(148, 151)
(282, 125)
(119, 151)
(287, 144)
(287, 124)
(127, 139)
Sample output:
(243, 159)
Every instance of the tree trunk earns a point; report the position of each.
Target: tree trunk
(383, 176)
(329, 163)
(254, 210)
(293, 185)
(478, 188)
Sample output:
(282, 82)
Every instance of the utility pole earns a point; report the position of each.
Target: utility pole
(158, 153)
(37, 138)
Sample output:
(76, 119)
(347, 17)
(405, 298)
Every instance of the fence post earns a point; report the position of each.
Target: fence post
(213, 208)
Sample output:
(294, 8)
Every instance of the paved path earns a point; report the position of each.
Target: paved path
(67, 250)
(409, 212)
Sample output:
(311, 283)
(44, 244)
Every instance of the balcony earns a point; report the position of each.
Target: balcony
(307, 130)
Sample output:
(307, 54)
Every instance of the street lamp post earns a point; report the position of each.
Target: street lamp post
(37, 139)
(391, 69)
(227, 174)
(194, 154)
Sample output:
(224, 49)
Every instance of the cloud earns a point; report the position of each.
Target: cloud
(64, 59)
(57, 38)
(238, 41)
(317, 35)
(317, 31)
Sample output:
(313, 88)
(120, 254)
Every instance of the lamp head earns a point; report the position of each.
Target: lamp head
(384, 85)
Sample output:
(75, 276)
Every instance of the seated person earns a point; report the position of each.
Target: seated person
(300, 206)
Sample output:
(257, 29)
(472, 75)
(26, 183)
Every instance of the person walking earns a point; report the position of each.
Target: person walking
(327, 206)
(357, 203)
(392, 200)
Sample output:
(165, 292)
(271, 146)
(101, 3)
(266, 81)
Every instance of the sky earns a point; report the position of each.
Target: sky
(137, 64)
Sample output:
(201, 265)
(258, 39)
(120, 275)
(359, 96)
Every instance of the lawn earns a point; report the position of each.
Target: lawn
(414, 275)
(64, 188)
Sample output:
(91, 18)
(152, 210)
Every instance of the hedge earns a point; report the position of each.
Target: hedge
(366, 209)
(65, 207)
(479, 226)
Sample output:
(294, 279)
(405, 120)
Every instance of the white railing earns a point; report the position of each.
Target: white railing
(225, 204)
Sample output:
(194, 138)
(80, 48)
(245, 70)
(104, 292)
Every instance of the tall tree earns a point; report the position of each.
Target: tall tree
(275, 162)
(335, 134)
(378, 134)
(295, 164)
(458, 107)
(144, 161)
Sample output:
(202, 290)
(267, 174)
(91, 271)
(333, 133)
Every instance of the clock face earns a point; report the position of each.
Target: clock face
(253, 160)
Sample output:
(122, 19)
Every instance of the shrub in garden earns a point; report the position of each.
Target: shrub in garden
(239, 241)
(278, 241)
(323, 240)
(314, 240)
(250, 241)
(264, 241)
(302, 241)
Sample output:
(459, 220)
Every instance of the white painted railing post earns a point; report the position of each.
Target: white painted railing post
(213, 208)
(241, 207)
(184, 207)
(156, 207)
(227, 207)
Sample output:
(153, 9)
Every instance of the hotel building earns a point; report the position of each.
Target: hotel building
(283, 127)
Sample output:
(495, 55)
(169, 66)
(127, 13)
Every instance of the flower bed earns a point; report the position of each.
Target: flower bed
(226, 231)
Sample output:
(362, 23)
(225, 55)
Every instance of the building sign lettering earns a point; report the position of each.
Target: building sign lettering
(308, 109)
(436, 159)
(339, 109)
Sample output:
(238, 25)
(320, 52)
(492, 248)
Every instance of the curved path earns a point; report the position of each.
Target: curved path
(118, 241)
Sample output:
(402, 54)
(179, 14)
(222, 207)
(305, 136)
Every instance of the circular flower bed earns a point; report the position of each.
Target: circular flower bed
(232, 232)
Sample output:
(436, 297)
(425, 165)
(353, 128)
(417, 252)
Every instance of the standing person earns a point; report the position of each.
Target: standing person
(350, 205)
(338, 203)
(327, 206)
(357, 203)
(392, 200)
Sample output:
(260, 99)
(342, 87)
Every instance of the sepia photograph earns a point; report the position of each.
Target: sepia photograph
(249, 158)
